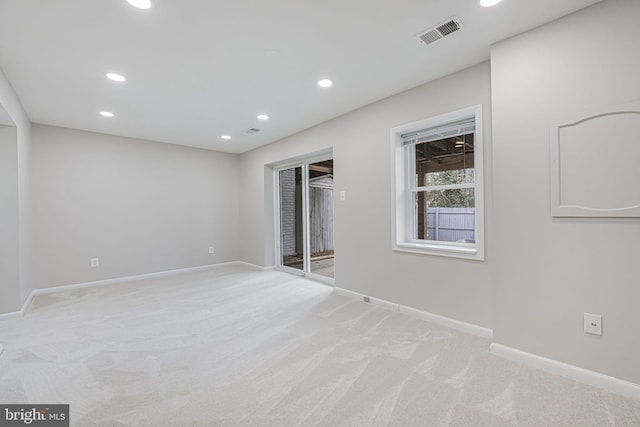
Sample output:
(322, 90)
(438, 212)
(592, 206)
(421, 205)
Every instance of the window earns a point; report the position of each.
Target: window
(437, 187)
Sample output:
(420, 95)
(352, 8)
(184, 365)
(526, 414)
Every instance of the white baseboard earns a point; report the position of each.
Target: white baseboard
(372, 300)
(46, 291)
(596, 379)
(12, 314)
(19, 313)
(117, 280)
(248, 264)
(458, 325)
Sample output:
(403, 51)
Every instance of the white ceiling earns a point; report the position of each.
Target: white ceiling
(199, 68)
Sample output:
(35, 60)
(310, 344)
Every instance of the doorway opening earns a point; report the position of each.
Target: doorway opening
(304, 217)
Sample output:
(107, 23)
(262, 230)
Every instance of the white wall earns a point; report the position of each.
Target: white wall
(459, 289)
(9, 222)
(139, 206)
(548, 272)
(11, 104)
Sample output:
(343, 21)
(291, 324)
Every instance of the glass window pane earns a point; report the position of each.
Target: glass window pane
(321, 218)
(445, 215)
(445, 161)
(291, 241)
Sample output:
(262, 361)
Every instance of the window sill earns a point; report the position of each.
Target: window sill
(450, 251)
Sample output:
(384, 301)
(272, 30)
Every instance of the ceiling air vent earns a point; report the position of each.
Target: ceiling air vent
(439, 31)
(253, 130)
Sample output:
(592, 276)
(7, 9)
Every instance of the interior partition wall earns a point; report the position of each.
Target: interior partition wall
(304, 217)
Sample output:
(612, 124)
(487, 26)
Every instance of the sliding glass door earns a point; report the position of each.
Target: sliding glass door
(305, 218)
(292, 241)
(320, 191)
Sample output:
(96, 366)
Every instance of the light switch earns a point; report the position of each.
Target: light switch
(343, 195)
(593, 324)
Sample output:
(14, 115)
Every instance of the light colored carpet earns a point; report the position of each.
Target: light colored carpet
(233, 346)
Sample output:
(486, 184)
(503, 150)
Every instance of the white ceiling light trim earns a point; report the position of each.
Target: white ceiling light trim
(225, 136)
(263, 117)
(489, 3)
(325, 83)
(116, 77)
(107, 114)
(140, 4)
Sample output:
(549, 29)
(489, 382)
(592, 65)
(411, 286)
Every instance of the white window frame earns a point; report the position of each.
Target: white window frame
(402, 222)
(302, 162)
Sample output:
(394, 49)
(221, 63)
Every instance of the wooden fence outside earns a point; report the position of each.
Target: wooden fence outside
(451, 224)
(321, 224)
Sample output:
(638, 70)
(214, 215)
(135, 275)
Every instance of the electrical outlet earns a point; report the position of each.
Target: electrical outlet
(212, 250)
(95, 262)
(343, 195)
(592, 324)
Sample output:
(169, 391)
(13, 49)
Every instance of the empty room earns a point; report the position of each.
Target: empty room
(342, 213)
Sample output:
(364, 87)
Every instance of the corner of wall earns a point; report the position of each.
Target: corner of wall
(11, 103)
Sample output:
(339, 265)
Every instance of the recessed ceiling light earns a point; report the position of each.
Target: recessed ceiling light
(325, 83)
(140, 4)
(106, 114)
(225, 137)
(488, 3)
(263, 117)
(116, 77)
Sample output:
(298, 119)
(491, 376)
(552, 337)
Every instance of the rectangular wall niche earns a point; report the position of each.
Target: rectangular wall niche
(595, 164)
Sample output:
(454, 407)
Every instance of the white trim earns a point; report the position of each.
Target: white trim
(302, 162)
(461, 250)
(401, 185)
(316, 156)
(19, 313)
(442, 187)
(458, 325)
(46, 291)
(375, 301)
(442, 251)
(12, 314)
(586, 376)
(560, 209)
(117, 280)
(277, 220)
(248, 264)
(306, 220)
